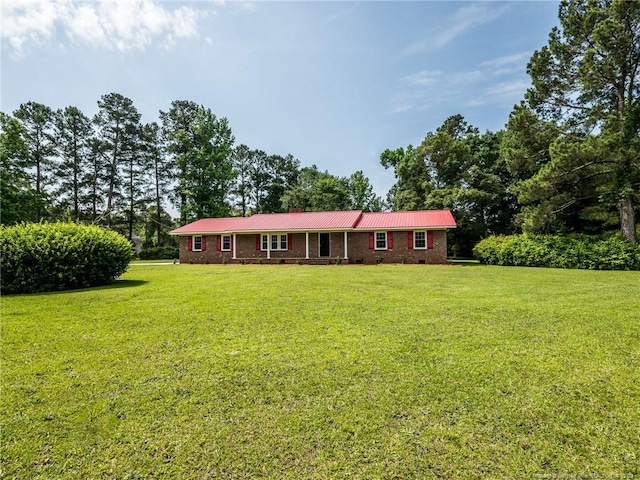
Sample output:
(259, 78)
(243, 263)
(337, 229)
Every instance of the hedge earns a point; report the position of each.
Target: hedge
(610, 252)
(159, 253)
(41, 257)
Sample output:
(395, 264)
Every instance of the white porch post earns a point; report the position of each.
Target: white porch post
(234, 246)
(346, 254)
(268, 245)
(306, 235)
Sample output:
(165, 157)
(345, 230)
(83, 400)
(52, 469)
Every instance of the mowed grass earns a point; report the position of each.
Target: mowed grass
(287, 371)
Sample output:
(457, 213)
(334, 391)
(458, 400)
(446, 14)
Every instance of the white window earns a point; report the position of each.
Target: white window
(420, 240)
(226, 243)
(276, 242)
(381, 240)
(197, 243)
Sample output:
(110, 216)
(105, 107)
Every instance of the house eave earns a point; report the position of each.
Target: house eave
(313, 230)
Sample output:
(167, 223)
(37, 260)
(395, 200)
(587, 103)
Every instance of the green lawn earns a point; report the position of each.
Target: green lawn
(387, 371)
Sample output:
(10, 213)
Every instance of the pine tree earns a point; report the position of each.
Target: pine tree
(160, 174)
(585, 81)
(117, 129)
(72, 132)
(38, 121)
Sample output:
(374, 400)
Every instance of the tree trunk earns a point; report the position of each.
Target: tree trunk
(158, 216)
(131, 197)
(628, 220)
(76, 161)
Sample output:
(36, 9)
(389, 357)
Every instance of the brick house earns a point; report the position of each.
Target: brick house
(319, 237)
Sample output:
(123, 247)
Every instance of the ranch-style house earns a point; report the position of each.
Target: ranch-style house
(319, 237)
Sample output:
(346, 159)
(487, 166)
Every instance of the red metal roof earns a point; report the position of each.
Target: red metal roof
(339, 220)
(416, 219)
(209, 225)
(315, 221)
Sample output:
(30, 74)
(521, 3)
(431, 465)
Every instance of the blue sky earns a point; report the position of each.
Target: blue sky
(332, 83)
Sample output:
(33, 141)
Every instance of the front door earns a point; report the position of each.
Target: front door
(325, 245)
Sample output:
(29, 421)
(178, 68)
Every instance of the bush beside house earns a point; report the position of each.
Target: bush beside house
(610, 252)
(60, 256)
(159, 253)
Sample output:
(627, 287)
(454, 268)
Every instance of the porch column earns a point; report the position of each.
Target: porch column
(306, 235)
(346, 254)
(268, 246)
(234, 246)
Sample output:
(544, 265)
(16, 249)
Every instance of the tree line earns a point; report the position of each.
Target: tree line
(568, 160)
(115, 171)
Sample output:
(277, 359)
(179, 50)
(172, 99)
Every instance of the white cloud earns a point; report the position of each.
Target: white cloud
(501, 93)
(423, 89)
(468, 17)
(114, 24)
(463, 78)
(516, 58)
(422, 78)
(463, 20)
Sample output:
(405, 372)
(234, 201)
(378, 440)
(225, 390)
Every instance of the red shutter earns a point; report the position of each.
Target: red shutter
(371, 240)
(190, 243)
(410, 240)
(290, 241)
(258, 241)
(390, 240)
(429, 239)
(218, 242)
(204, 243)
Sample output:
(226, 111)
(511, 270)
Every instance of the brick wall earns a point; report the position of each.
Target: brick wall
(358, 243)
(359, 250)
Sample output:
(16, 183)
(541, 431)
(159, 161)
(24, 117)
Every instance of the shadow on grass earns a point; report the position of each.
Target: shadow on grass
(115, 284)
(465, 262)
(120, 284)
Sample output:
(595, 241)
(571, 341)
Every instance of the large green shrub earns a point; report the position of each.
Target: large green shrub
(58, 256)
(610, 252)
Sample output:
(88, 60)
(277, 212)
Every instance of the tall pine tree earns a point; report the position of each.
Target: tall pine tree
(586, 82)
(73, 130)
(38, 121)
(118, 131)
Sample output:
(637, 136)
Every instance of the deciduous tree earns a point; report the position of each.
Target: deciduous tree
(209, 168)
(17, 200)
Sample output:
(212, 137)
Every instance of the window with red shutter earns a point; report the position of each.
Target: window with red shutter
(190, 243)
(410, 240)
(258, 241)
(419, 240)
(390, 240)
(429, 239)
(381, 241)
(204, 243)
(226, 243)
(371, 241)
(218, 242)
